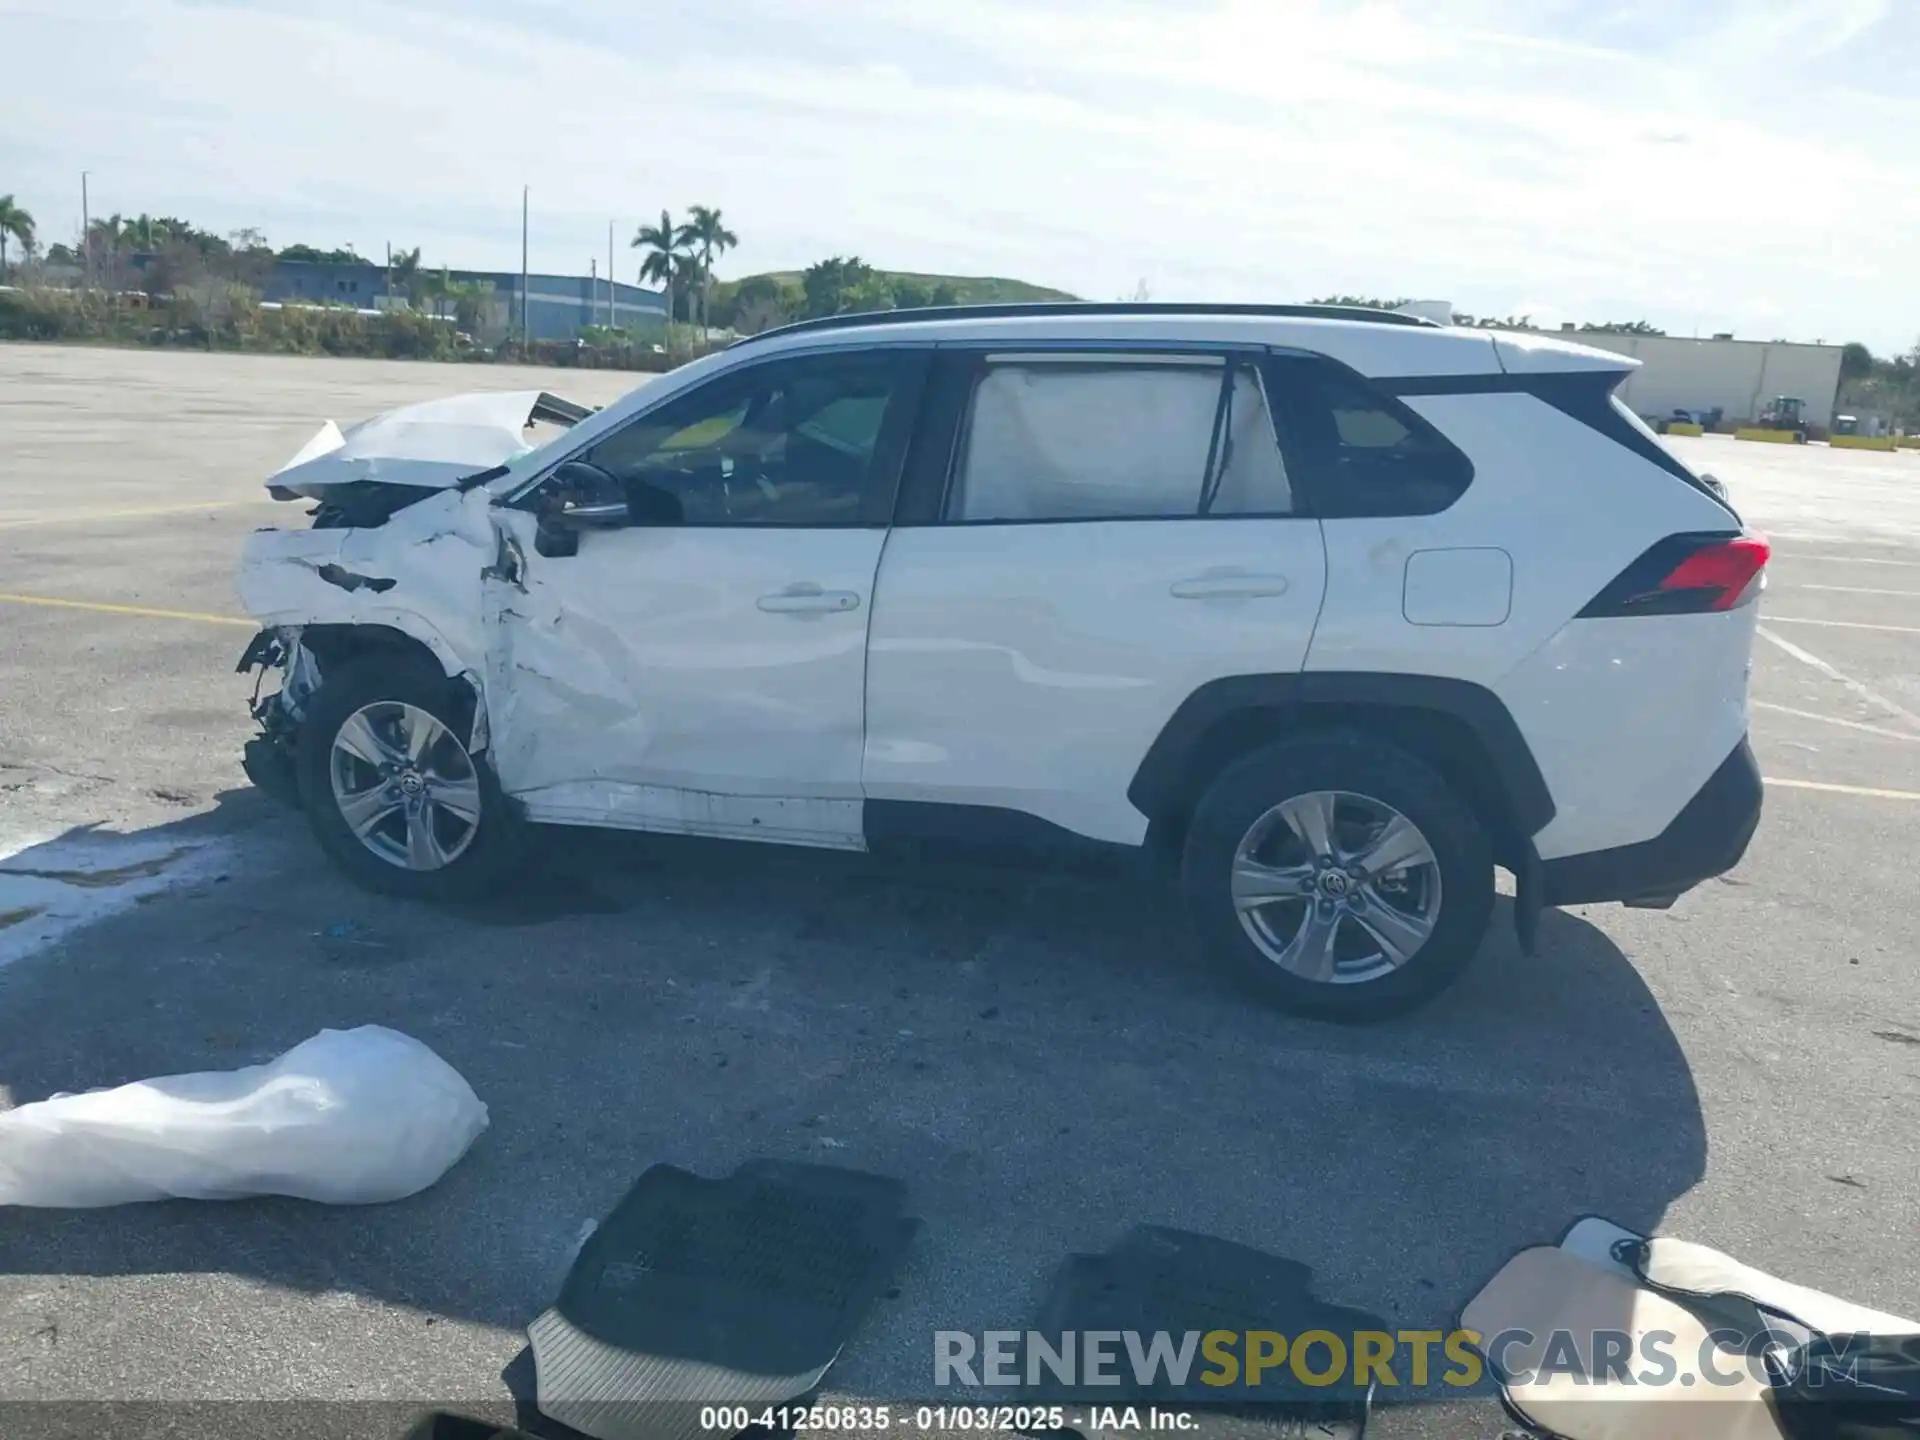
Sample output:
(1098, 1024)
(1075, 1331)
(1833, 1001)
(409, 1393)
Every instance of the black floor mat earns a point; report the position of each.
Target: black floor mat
(737, 1291)
(1160, 1280)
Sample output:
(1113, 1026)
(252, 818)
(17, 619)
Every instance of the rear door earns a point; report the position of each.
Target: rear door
(1085, 538)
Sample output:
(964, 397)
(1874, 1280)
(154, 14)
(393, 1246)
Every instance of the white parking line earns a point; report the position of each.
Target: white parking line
(1833, 720)
(1849, 560)
(1867, 693)
(1858, 590)
(1867, 790)
(1843, 624)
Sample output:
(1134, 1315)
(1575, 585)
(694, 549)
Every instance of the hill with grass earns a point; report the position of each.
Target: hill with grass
(966, 289)
(847, 285)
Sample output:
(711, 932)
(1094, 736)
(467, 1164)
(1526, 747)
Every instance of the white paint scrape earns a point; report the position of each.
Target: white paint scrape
(53, 885)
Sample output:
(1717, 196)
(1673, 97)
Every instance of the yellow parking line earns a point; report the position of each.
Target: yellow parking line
(80, 516)
(103, 607)
(1867, 790)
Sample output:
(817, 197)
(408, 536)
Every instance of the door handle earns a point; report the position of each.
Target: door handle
(1223, 587)
(808, 600)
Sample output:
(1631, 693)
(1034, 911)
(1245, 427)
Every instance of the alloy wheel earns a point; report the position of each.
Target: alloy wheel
(1336, 887)
(405, 785)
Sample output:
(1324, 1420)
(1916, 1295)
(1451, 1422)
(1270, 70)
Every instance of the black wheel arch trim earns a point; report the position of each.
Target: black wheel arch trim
(1158, 785)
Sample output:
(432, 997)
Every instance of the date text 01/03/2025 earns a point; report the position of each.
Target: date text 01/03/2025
(1003, 1419)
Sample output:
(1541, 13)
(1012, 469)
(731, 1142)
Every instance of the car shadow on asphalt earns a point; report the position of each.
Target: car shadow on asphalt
(1043, 1058)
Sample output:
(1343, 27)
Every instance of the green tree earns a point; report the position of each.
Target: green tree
(911, 295)
(403, 271)
(662, 244)
(831, 284)
(345, 255)
(944, 295)
(1856, 361)
(874, 291)
(689, 281)
(1621, 327)
(435, 287)
(761, 302)
(708, 237)
(1364, 302)
(469, 299)
(15, 224)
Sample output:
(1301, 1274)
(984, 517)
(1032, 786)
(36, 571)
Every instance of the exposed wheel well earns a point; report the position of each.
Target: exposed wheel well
(1443, 740)
(335, 646)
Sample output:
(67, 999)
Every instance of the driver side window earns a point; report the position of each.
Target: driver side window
(814, 441)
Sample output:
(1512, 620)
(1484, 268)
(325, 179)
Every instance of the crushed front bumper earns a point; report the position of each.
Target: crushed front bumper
(270, 758)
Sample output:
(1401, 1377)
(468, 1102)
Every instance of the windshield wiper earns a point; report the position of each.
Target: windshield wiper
(474, 482)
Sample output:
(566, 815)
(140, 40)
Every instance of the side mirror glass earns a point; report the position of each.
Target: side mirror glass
(593, 515)
(585, 497)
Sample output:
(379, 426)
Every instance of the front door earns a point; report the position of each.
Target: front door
(701, 667)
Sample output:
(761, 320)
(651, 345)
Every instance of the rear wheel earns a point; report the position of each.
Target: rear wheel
(1341, 876)
(393, 793)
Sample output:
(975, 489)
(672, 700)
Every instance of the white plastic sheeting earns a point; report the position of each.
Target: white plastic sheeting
(1079, 441)
(350, 1117)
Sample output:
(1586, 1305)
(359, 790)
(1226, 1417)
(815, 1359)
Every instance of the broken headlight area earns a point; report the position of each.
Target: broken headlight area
(361, 505)
(269, 757)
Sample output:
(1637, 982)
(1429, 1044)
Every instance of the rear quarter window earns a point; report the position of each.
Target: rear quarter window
(1358, 451)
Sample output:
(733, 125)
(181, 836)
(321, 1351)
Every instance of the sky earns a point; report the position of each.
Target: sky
(1743, 165)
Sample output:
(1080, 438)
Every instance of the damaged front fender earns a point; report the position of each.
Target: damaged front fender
(419, 574)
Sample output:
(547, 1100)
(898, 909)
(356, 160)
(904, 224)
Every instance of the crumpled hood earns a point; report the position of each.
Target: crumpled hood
(428, 446)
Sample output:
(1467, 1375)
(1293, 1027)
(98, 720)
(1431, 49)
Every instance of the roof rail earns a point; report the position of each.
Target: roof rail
(1087, 307)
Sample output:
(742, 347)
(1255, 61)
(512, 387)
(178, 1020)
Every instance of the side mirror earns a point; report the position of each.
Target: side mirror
(588, 499)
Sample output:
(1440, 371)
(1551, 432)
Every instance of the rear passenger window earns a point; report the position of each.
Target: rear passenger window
(1361, 452)
(1083, 438)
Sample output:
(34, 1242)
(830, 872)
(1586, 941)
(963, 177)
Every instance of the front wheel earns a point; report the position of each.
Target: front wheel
(391, 790)
(1341, 876)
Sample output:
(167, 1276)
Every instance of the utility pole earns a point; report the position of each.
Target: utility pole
(593, 287)
(525, 336)
(86, 237)
(610, 324)
(389, 284)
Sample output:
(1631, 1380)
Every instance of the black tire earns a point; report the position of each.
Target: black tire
(500, 834)
(1253, 785)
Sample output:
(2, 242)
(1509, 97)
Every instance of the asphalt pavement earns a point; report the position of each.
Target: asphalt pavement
(1043, 1058)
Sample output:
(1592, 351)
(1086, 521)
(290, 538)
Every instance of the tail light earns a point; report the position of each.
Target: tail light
(1687, 575)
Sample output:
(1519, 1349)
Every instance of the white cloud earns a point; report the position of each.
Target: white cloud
(1610, 160)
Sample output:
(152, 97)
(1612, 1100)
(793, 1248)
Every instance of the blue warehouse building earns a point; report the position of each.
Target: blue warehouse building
(557, 306)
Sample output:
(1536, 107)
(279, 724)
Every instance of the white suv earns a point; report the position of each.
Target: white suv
(1331, 611)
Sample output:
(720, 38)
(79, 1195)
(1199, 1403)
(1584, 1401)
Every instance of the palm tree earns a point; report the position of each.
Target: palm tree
(404, 270)
(665, 245)
(15, 224)
(689, 278)
(705, 232)
(437, 286)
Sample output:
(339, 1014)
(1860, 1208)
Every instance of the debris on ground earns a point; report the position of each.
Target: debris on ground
(349, 1117)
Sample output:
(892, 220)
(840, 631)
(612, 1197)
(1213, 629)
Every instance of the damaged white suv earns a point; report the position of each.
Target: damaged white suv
(1331, 611)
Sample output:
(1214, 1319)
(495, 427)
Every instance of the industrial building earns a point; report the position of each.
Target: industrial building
(1740, 378)
(557, 306)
